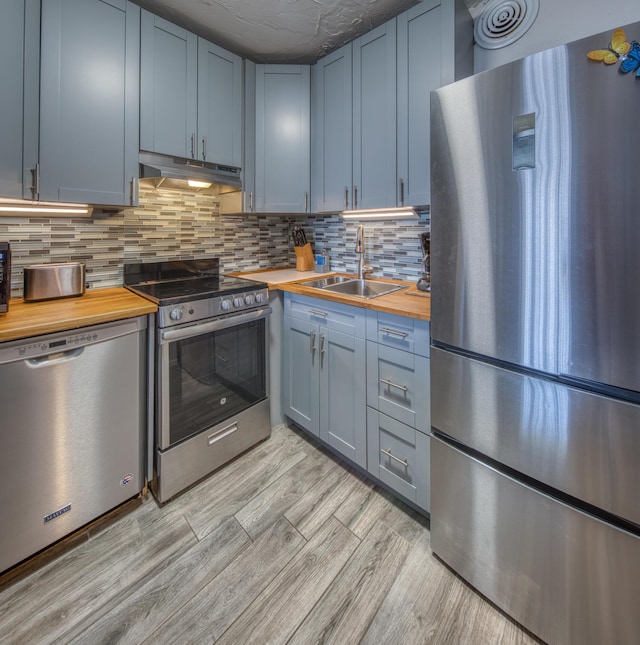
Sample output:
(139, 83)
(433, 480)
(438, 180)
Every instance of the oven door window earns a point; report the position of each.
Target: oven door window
(215, 376)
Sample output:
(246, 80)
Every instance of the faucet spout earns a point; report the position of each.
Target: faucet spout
(362, 267)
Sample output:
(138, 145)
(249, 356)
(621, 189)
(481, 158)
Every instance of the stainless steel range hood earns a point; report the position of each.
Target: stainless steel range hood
(176, 172)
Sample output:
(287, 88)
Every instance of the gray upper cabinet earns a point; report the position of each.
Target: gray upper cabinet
(19, 79)
(371, 131)
(219, 104)
(433, 49)
(282, 143)
(374, 118)
(168, 88)
(89, 101)
(190, 95)
(332, 151)
(419, 72)
(354, 124)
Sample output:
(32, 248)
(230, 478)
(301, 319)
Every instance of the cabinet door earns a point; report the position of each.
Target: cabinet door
(219, 105)
(332, 150)
(300, 373)
(398, 384)
(89, 101)
(282, 138)
(374, 118)
(343, 423)
(19, 74)
(419, 72)
(168, 88)
(398, 456)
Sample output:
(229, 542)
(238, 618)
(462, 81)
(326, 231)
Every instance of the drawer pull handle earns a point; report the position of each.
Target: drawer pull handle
(392, 384)
(404, 462)
(221, 434)
(315, 312)
(312, 342)
(393, 332)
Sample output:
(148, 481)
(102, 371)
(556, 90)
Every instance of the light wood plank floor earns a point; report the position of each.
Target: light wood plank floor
(284, 545)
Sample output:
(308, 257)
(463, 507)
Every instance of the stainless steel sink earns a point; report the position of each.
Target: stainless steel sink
(321, 283)
(365, 288)
(353, 286)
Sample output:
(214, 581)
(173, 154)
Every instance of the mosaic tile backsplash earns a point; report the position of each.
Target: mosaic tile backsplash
(171, 224)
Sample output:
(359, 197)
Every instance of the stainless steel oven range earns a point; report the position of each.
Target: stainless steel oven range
(211, 371)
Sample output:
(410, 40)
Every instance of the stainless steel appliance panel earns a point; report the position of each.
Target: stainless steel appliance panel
(600, 309)
(494, 230)
(72, 432)
(184, 464)
(563, 574)
(575, 441)
(209, 372)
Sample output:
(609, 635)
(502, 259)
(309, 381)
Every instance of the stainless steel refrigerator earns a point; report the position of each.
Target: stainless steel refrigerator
(535, 381)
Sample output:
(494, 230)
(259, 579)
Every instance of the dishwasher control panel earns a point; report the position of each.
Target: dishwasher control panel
(58, 344)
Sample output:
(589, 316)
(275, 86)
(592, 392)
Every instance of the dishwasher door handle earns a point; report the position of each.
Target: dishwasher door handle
(55, 359)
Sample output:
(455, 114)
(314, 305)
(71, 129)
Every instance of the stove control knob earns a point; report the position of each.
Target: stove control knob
(225, 305)
(250, 299)
(238, 301)
(259, 297)
(175, 314)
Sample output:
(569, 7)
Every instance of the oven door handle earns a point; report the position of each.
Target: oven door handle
(225, 322)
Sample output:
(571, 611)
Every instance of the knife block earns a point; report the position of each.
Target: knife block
(304, 257)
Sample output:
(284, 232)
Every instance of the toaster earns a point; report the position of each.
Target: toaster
(47, 281)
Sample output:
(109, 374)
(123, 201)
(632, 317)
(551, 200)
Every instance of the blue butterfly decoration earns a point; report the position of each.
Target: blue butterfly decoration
(630, 62)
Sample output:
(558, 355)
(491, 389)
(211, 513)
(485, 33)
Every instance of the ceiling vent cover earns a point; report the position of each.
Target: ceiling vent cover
(502, 22)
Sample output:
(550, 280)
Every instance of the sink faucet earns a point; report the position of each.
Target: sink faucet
(363, 268)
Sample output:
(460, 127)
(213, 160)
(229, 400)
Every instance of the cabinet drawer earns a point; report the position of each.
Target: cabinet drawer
(332, 315)
(398, 384)
(399, 457)
(409, 334)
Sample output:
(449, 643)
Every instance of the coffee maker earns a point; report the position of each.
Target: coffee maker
(5, 276)
(424, 283)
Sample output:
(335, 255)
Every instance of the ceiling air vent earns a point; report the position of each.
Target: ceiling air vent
(502, 22)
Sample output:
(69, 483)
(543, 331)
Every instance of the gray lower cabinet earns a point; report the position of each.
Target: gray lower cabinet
(89, 101)
(398, 404)
(19, 80)
(324, 367)
(398, 455)
(359, 381)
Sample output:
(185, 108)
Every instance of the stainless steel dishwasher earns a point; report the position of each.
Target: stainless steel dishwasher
(72, 414)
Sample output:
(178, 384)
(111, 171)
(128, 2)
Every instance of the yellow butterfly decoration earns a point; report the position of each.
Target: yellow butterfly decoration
(617, 47)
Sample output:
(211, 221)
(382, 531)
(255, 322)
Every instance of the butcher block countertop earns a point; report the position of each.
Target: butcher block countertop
(406, 302)
(25, 319)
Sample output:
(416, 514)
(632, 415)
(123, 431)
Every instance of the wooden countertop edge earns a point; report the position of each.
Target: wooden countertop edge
(27, 319)
(398, 302)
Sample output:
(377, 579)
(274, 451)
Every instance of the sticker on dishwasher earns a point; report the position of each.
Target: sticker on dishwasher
(126, 479)
(58, 513)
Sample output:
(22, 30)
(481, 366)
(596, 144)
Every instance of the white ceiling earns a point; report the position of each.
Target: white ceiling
(281, 31)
